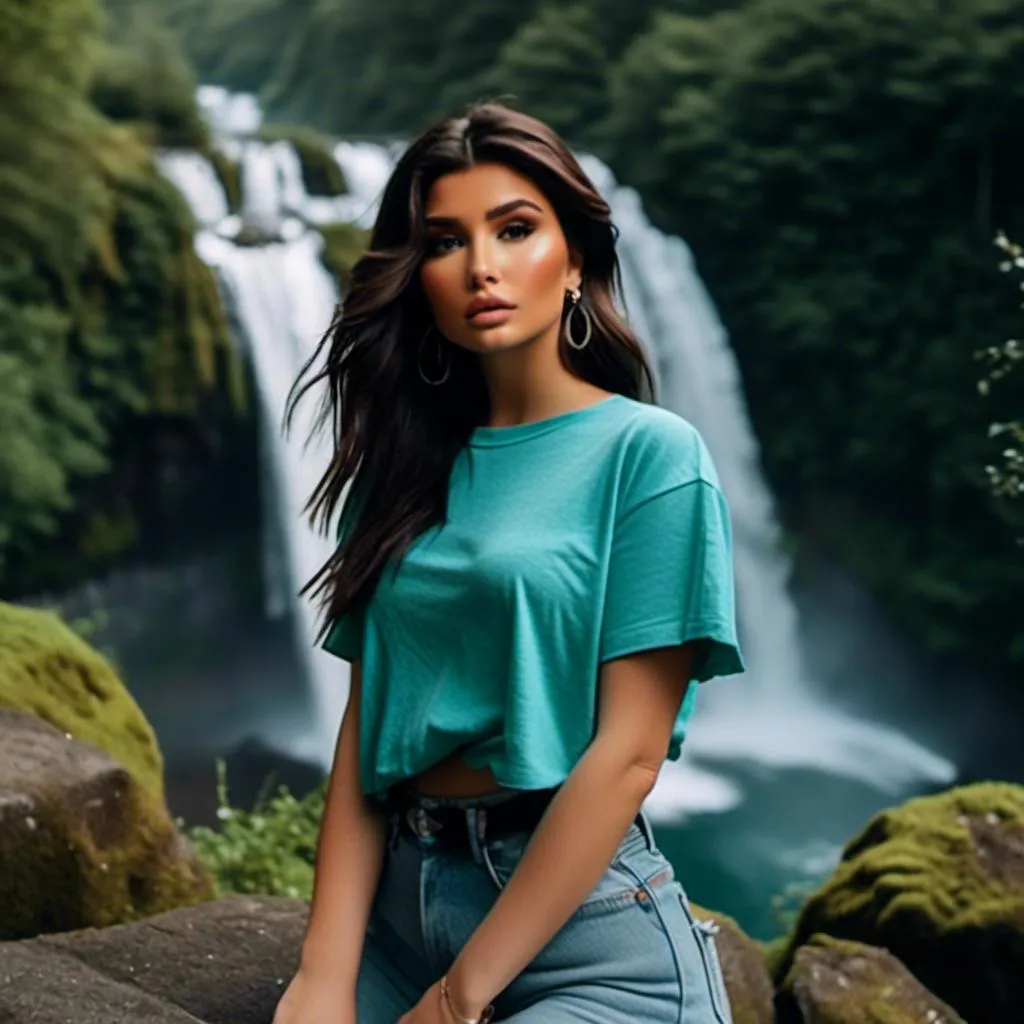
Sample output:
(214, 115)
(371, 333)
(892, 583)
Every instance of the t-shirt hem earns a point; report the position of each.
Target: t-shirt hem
(349, 656)
(724, 658)
(529, 780)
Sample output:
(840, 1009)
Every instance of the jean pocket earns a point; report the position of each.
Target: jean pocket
(704, 932)
(633, 871)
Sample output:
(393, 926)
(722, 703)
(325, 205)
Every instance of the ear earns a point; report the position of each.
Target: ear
(574, 275)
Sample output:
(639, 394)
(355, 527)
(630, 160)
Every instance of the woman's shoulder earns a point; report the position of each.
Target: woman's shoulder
(661, 447)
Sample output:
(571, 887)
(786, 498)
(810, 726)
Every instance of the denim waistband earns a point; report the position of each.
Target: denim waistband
(410, 798)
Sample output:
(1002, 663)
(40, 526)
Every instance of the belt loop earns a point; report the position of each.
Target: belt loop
(645, 826)
(474, 831)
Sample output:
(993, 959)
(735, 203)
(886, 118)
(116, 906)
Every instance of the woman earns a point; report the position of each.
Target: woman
(559, 578)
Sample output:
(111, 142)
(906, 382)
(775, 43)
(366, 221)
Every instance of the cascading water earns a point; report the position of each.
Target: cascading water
(281, 300)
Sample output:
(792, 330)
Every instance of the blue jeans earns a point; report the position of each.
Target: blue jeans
(632, 952)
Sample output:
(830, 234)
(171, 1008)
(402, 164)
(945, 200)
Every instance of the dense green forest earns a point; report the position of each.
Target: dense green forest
(122, 397)
(109, 323)
(840, 168)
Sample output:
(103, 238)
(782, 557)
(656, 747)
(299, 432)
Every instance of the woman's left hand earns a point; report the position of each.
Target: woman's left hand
(431, 1009)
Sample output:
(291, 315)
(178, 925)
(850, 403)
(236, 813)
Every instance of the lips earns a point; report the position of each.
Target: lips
(487, 304)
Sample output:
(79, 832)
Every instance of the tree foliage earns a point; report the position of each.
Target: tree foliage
(837, 168)
(106, 313)
(1007, 476)
(143, 78)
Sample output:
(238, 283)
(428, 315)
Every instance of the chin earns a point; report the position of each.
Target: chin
(494, 340)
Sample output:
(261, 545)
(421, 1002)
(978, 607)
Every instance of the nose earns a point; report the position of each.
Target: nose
(481, 267)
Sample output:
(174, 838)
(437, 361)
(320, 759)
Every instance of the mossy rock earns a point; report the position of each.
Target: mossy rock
(939, 882)
(746, 978)
(344, 244)
(82, 843)
(230, 174)
(224, 961)
(51, 672)
(321, 173)
(834, 981)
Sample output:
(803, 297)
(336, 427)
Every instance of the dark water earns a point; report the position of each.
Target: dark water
(216, 678)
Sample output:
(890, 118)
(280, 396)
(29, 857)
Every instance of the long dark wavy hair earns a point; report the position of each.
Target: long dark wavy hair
(395, 437)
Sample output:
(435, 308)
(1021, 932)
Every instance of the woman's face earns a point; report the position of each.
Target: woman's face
(493, 238)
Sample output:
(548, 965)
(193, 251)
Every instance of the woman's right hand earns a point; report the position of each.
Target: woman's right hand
(316, 999)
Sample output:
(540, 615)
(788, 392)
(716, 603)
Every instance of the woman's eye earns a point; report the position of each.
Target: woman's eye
(440, 244)
(517, 229)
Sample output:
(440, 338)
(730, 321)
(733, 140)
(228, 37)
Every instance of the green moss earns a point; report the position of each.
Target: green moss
(49, 671)
(320, 171)
(775, 952)
(940, 883)
(845, 982)
(76, 857)
(344, 244)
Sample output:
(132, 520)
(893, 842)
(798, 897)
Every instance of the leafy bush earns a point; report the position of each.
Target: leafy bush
(269, 850)
(144, 78)
(1007, 479)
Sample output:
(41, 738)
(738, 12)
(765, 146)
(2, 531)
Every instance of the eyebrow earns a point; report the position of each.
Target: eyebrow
(498, 211)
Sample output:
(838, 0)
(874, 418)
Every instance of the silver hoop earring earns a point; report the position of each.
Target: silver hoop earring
(419, 360)
(587, 320)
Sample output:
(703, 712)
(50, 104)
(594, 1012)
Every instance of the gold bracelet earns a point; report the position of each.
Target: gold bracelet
(484, 1018)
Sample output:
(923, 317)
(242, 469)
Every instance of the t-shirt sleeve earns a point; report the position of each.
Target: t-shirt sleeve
(670, 579)
(345, 635)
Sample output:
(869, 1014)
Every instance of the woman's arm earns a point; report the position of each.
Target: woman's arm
(349, 859)
(582, 827)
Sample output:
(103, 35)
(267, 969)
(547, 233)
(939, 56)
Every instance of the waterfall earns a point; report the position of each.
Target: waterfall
(281, 299)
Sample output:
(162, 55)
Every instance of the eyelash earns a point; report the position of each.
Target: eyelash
(434, 247)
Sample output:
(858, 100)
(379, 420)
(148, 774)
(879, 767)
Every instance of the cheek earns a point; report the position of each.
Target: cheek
(440, 285)
(542, 264)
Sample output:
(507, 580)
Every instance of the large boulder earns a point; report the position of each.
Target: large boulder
(222, 962)
(50, 671)
(834, 981)
(940, 883)
(743, 967)
(81, 841)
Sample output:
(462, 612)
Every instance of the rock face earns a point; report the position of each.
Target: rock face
(223, 962)
(50, 671)
(838, 982)
(81, 842)
(940, 883)
(743, 967)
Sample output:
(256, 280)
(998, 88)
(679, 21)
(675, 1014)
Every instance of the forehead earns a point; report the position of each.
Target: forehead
(471, 193)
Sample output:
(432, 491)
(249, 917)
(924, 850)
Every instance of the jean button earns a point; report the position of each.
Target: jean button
(420, 822)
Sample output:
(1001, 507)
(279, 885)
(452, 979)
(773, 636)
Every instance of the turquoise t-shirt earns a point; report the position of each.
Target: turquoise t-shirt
(569, 541)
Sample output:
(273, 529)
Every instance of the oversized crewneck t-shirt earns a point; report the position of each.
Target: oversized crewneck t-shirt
(569, 541)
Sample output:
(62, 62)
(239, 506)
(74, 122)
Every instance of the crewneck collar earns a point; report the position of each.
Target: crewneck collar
(493, 437)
